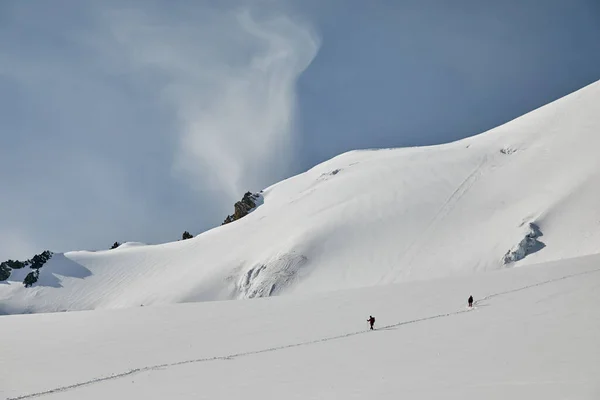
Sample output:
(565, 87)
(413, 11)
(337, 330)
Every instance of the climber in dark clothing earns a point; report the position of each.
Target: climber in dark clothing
(371, 321)
(470, 301)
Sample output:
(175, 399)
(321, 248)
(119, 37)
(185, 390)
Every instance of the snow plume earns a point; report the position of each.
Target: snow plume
(230, 77)
(244, 132)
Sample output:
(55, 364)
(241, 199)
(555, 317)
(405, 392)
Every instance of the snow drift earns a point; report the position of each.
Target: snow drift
(367, 218)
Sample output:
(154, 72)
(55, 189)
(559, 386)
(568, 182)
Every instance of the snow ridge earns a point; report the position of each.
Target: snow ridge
(367, 218)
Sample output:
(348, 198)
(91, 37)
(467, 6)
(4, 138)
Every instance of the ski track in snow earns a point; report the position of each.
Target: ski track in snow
(448, 205)
(271, 349)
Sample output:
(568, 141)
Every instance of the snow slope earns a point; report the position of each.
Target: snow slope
(532, 335)
(367, 218)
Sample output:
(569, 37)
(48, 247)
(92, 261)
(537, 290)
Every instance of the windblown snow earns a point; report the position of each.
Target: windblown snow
(367, 218)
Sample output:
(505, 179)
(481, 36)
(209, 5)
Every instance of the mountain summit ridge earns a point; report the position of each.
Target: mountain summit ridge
(367, 218)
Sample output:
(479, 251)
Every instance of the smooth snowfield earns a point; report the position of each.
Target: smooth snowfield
(368, 218)
(532, 335)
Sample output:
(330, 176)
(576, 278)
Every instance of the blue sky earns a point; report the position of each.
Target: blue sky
(137, 120)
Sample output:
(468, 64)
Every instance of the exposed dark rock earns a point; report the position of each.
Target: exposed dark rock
(14, 264)
(31, 278)
(115, 245)
(186, 235)
(35, 263)
(243, 207)
(39, 260)
(4, 272)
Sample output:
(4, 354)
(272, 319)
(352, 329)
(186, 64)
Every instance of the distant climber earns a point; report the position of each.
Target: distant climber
(371, 321)
(470, 301)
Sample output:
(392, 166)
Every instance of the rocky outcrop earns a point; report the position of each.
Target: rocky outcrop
(243, 207)
(4, 272)
(35, 263)
(528, 245)
(39, 260)
(14, 264)
(31, 278)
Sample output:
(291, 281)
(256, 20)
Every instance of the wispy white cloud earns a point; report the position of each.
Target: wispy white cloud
(116, 112)
(230, 78)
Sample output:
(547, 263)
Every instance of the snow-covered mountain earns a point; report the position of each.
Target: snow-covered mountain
(525, 192)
